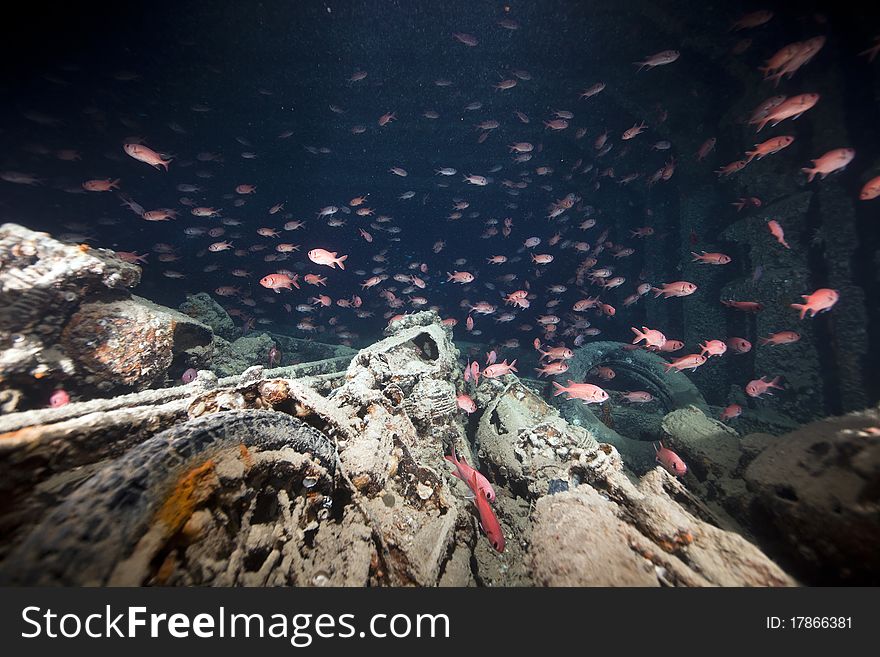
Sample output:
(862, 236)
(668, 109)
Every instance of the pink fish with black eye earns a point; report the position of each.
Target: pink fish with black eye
(325, 257)
(658, 59)
(465, 472)
(777, 232)
(488, 521)
(759, 387)
(670, 461)
(676, 289)
(475, 372)
(731, 412)
(499, 369)
(738, 345)
(819, 301)
(586, 392)
(146, 155)
(711, 258)
(59, 398)
(638, 397)
(713, 348)
(466, 404)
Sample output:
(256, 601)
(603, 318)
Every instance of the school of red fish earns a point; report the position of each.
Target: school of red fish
(348, 260)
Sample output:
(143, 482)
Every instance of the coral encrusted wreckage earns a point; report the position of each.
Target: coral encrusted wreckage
(332, 472)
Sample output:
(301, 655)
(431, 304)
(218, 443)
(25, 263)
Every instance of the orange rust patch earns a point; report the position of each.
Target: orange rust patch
(192, 489)
(22, 434)
(84, 248)
(671, 544)
(166, 569)
(361, 481)
(274, 391)
(246, 457)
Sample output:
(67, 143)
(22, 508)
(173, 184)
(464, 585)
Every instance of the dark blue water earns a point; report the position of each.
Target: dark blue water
(229, 79)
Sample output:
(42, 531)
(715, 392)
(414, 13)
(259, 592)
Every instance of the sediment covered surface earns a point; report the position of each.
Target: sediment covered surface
(286, 477)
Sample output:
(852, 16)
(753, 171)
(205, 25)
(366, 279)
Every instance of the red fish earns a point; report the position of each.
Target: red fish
(278, 281)
(59, 398)
(385, 119)
(733, 167)
(658, 59)
(777, 232)
(163, 214)
(104, 185)
(146, 155)
(638, 397)
(586, 392)
(670, 461)
(466, 473)
(676, 289)
(739, 345)
(475, 372)
(499, 369)
(760, 387)
(324, 257)
(832, 161)
(274, 356)
(635, 130)
(551, 369)
(705, 149)
(770, 146)
(466, 404)
(711, 258)
(743, 201)
(795, 55)
(689, 362)
(789, 108)
(754, 19)
(731, 412)
(819, 301)
(871, 52)
(604, 373)
(781, 337)
(713, 348)
(132, 257)
(672, 345)
(488, 521)
(871, 190)
(460, 277)
(314, 279)
(555, 353)
(466, 39)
